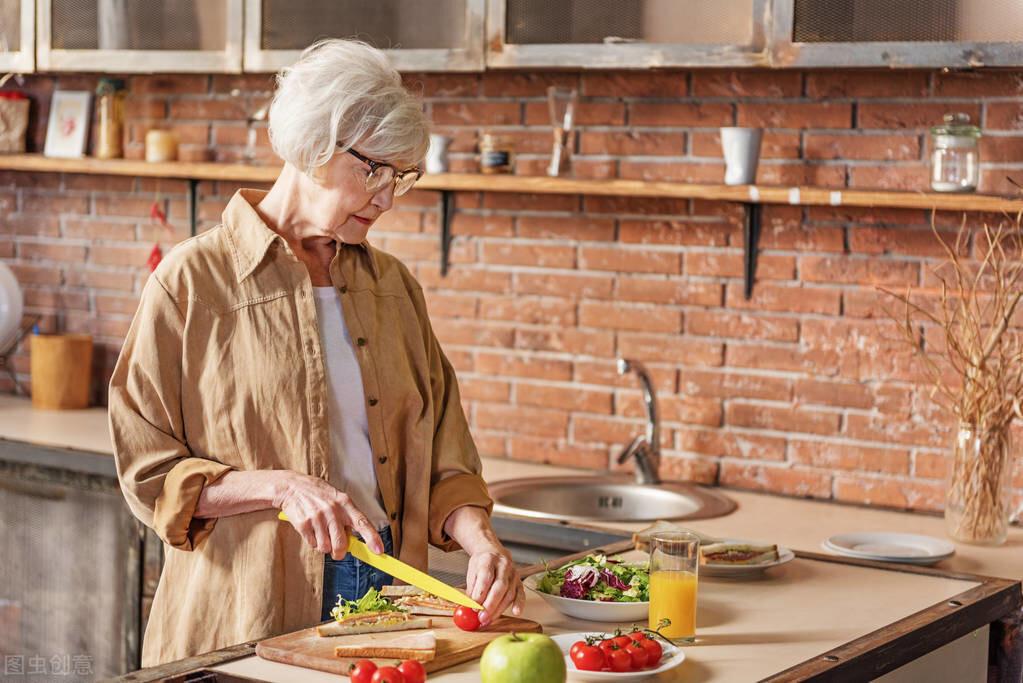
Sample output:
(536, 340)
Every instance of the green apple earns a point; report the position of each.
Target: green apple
(522, 658)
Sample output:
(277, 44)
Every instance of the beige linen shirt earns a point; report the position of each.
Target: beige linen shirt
(222, 370)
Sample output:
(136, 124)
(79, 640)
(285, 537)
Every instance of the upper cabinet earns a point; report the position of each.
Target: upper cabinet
(439, 35)
(908, 33)
(17, 37)
(139, 36)
(602, 34)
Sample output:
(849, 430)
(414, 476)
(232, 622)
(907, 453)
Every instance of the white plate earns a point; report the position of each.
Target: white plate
(671, 657)
(891, 547)
(739, 571)
(591, 610)
(11, 306)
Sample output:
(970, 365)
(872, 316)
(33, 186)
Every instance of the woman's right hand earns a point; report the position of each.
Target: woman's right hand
(324, 515)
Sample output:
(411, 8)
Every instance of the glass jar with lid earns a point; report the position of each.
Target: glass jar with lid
(110, 95)
(497, 154)
(955, 156)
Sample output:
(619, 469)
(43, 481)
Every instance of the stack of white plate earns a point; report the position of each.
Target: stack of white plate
(891, 547)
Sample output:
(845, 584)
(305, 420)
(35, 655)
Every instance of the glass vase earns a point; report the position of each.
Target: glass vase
(978, 496)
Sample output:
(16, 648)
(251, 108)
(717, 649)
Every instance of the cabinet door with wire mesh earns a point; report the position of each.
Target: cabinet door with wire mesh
(17, 36)
(611, 34)
(440, 35)
(140, 35)
(908, 33)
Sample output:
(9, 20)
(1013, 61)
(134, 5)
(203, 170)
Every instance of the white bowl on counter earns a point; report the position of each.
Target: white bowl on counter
(591, 610)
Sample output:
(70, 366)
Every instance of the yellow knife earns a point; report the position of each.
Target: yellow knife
(405, 572)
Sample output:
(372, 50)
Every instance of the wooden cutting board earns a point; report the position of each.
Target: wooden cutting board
(454, 646)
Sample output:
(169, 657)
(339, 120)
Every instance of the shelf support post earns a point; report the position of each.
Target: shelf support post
(750, 244)
(447, 201)
(193, 206)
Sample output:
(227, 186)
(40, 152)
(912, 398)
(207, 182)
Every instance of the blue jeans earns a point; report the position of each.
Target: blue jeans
(352, 578)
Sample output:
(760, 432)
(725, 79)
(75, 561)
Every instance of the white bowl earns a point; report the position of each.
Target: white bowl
(592, 610)
(11, 306)
(671, 657)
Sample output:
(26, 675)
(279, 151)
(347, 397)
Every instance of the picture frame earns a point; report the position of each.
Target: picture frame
(67, 129)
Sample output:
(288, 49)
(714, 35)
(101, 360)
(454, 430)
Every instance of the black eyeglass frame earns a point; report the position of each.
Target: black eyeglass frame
(398, 175)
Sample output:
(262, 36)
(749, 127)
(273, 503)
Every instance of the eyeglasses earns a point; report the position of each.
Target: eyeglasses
(381, 175)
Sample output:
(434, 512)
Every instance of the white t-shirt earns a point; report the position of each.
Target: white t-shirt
(352, 468)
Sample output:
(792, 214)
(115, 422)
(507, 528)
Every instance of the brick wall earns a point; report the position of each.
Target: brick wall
(804, 390)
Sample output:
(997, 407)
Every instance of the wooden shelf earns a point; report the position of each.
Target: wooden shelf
(472, 182)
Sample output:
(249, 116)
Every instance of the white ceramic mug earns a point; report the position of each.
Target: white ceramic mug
(437, 156)
(741, 147)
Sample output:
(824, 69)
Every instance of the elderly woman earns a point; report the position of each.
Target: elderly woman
(280, 362)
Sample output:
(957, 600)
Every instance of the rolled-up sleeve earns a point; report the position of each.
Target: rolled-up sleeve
(457, 472)
(159, 477)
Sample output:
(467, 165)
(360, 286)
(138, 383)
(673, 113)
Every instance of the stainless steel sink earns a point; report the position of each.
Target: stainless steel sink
(606, 498)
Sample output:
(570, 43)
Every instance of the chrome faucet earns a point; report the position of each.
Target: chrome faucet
(646, 448)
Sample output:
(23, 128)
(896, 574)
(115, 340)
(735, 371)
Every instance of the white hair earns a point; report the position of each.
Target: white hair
(345, 92)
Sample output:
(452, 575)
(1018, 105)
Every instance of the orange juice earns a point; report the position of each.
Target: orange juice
(673, 596)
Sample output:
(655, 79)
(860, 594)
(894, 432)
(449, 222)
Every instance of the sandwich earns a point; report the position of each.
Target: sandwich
(373, 622)
(737, 553)
(418, 601)
(421, 647)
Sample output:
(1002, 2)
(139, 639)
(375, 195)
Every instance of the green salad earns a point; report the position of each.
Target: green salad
(595, 577)
(372, 601)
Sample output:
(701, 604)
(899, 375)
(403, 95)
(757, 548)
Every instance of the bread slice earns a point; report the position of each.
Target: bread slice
(421, 647)
(373, 622)
(641, 538)
(738, 553)
(417, 601)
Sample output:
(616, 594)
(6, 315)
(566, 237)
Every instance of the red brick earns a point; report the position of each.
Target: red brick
(1001, 149)
(817, 174)
(443, 84)
(981, 83)
(605, 372)
(674, 409)
(515, 201)
(525, 84)
(35, 275)
(116, 305)
(543, 255)
(675, 468)
(787, 358)
(782, 418)
(614, 316)
(895, 115)
(879, 147)
(833, 393)
(730, 264)
(249, 84)
(699, 172)
(866, 271)
(516, 365)
(102, 183)
(1004, 116)
(120, 256)
(795, 115)
(33, 203)
(890, 493)
(477, 113)
(204, 109)
(482, 389)
(531, 310)
(800, 299)
(168, 84)
(408, 221)
(44, 251)
(774, 145)
(680, 114)
(882, 429)
(583, 229)
(465, 279)
(632, 143)
(930, 465)
(635, 84)
(55, 300)
(729, 443)
(451, 305)
(916, 243)
(747, 83)
(849, 457)
(624, 259)
(518, 420)
(680, 232)
(846, 83)
(587, 114)
(592, 343)
(414, 248)
(670, 349)
(741, 325)
(782, 229)
(461, 332)
(568, 286)
(116, 328)
(790, 482)
(734, 385)
(610, 430)
(673, 291)
(101, 279)
(561, 454)
(904, 178)
(565, 397)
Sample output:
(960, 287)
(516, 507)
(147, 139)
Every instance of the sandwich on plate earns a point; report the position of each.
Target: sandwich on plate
(737, 553)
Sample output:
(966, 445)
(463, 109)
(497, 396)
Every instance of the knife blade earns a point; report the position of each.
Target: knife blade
(405, 572)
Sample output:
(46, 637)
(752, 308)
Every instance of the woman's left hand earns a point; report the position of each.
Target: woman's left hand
(493, 581)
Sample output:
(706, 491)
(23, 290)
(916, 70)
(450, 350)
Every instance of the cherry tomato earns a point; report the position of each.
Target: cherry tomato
(618, 659)
(640, 657)
(413, 671)
(466, 618)
(387, 674)
(637, 635)
(588, 658)
(607, 645)
(622, 641)
(362, 671)
(576, 646)
(654, 651)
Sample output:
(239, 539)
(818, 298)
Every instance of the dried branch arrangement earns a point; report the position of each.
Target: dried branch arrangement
(978, 303)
